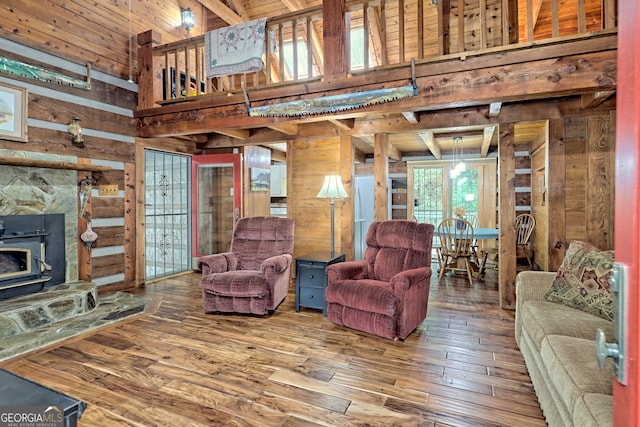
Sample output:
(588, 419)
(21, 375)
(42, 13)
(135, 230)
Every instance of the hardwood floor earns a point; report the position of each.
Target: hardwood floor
(181, 367)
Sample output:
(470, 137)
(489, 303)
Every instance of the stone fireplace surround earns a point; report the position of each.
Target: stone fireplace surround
(36, 190)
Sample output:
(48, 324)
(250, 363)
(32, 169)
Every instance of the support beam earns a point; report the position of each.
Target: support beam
(223, 11)
(334, 36)
(411, 117)
(286, 128)
(381, 177)
(235, 133)
(507, 217)
(431, 144)
(344, 124)
(347, 217)
(596, 98)
(487, 137)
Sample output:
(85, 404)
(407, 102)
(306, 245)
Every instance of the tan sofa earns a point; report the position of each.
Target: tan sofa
(558, 345)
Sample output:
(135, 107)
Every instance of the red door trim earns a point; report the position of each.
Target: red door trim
(627, 216)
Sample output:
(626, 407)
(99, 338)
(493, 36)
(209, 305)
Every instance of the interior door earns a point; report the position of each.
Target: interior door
(627, 225)
(216, 201)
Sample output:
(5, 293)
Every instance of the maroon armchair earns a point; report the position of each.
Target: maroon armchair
(386, 293)
(253, 277)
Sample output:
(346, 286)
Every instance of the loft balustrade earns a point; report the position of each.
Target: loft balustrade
(377, 34)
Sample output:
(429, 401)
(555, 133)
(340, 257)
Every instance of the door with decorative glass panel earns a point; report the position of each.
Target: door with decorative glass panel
(167, 206)
(437, 192)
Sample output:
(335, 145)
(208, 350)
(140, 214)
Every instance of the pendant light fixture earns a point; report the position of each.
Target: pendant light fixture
(457, 163)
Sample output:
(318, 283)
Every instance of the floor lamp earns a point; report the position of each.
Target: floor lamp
(332, 189)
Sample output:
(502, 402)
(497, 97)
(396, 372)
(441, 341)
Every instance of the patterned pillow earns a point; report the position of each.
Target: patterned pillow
(583, 280)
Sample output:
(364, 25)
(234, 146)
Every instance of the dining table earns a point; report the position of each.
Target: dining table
(479, 233)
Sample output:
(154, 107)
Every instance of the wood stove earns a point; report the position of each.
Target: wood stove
(32, 253)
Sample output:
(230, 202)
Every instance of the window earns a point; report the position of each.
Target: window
(435, 193)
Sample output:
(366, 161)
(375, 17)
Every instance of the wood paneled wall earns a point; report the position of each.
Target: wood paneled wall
(309, 162)
(106, 116)
(255, 203)
(582, 156)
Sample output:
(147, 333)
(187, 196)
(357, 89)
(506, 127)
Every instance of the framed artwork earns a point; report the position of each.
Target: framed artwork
(13, 113)
(260, 179)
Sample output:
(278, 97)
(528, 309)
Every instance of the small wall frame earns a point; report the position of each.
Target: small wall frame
(13, 113)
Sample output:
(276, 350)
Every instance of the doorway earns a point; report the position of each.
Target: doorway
(167, 204)
(217, 201)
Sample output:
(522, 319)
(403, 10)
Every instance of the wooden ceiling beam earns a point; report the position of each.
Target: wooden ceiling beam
(411, 117)
(360, 157)
(258, 137)
(394, 153)
(278, 156)
(286, 128)
(344, 124)
(594, 99)
(487, 137)
(235, 133)
(238, 7)
(431, 144)
(223, 11)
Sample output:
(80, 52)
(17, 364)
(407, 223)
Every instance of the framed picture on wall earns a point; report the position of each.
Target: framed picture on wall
(260, 179)
(13, 113)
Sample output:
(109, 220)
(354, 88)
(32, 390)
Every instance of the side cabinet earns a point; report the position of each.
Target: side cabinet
(311, 279)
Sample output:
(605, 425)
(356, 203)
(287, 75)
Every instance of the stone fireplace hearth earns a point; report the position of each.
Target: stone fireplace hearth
(33, 321)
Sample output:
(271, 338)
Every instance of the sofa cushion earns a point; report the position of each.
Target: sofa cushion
(593, 410)
(573, 369)
(241, 283)
(583, 280)
(366, 295)
(542, 318)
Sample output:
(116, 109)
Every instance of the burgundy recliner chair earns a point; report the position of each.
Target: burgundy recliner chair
(386, 293)
(253, 277)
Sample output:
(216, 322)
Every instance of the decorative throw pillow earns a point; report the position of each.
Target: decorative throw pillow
(583, 280)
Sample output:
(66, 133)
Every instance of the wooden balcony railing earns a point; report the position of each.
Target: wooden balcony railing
(379, 33)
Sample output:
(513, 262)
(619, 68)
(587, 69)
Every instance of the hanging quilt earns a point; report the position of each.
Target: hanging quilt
(235, 49)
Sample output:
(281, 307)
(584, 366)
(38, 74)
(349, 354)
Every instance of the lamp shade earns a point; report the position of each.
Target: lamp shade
(332, 188)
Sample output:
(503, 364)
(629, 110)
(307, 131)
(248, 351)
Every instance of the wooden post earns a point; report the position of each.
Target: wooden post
(85, 265)
(130, 228)
(334, 36)
(149, 80)
(507, 216)
(381, 177)
(138, 188)
(556, 190)
(347, 219)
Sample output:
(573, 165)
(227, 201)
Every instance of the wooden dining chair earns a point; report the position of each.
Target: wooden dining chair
(525, 223)
(456, 246)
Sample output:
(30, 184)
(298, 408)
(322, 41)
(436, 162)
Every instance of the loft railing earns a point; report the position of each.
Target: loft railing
(380, 33)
